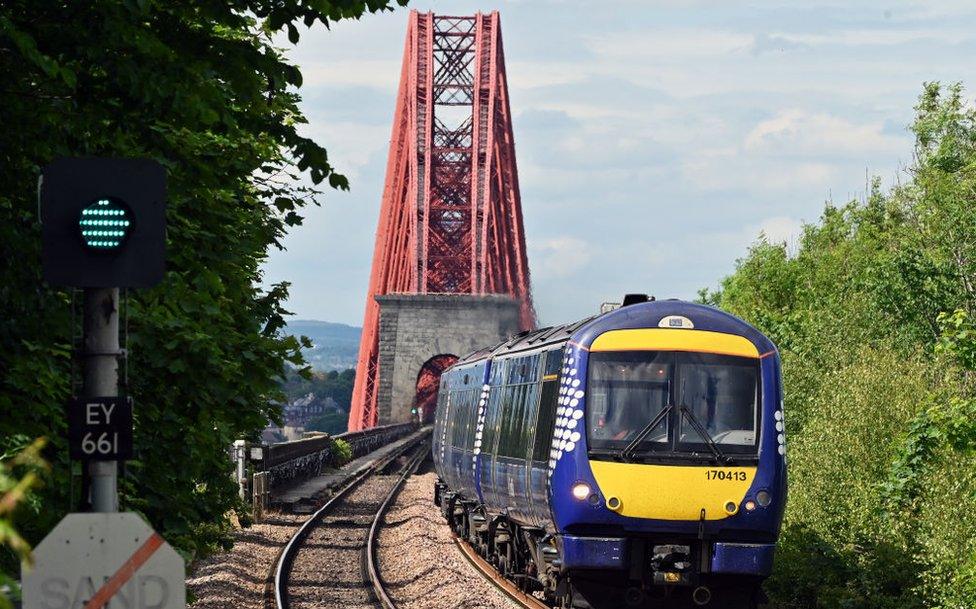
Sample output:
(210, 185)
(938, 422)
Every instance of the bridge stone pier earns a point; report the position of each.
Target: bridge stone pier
(416, 328)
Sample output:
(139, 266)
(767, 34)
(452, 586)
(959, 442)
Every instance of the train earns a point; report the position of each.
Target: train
(636, 458)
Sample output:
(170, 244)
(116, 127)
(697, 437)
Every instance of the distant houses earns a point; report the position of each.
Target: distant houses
(297, 415)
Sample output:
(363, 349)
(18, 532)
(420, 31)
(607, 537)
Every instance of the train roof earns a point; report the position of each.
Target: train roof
(527, 340)
(637, 315)
(653, 313)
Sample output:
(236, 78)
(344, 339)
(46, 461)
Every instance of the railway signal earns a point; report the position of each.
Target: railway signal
(103, 223)
(103, 228)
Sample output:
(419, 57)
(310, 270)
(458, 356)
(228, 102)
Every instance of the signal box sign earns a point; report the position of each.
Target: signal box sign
(100, 429)
(104, 561)
(103, 222)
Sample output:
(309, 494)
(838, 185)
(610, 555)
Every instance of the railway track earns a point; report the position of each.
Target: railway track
(489, 573)
(331, 558)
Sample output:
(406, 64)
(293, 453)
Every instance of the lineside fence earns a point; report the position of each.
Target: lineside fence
(260, 469)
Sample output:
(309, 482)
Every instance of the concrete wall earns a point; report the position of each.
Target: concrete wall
(415, 328)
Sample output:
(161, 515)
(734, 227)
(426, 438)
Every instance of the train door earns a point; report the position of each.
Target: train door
(541, 442)
(532, 389)
(489, 433)
(505, 468)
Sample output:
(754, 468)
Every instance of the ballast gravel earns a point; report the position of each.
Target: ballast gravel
(328, 569)
(420, 564)
(419, 561)
(235, 579)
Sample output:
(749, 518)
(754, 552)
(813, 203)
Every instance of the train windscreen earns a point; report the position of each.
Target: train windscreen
(659, 401)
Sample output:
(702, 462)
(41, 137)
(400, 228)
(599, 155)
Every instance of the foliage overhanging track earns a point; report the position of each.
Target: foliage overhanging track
(278, 597)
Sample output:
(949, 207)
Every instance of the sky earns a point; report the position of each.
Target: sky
(655, 140)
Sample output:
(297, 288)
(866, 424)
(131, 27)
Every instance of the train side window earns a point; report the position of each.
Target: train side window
(554, 361)
(547, 405)
(456, 420)
(522, 442)
(440, 417)
(472, 422)
(451, 421)
(514, 416)
(547, 415)
(507, 425)
(463, 425)
(529, 415)
(489, 433)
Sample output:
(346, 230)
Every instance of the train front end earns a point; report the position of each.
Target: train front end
(667, 467)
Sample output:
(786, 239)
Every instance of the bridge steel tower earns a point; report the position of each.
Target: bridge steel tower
(451, 215)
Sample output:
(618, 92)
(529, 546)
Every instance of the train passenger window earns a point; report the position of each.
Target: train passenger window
(529, 416)
(457, 420)
(516, 443)
(510, 422)
(440, 420)
(547, 405)
(474, 395)
(554, 361)
(489, 433)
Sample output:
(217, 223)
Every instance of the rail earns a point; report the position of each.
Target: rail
(372, 568)
(278, 581)
(504, 585)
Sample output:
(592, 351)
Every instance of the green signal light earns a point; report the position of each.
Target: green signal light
(105, 224)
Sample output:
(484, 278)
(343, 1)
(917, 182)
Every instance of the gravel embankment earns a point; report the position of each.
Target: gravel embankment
(420, 564)
(235, 579)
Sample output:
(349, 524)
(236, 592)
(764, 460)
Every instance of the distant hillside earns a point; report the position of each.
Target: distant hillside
(335, 346)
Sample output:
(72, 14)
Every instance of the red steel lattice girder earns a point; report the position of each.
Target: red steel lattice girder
(451, 216)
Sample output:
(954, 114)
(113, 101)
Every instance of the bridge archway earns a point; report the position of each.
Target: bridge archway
(415, 328)
(428, 384)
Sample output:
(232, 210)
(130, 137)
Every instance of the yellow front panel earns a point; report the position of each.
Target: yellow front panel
(663, 339)
(669, 492)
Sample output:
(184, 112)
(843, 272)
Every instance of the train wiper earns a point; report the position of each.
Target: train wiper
(720, 456)
(626, 453)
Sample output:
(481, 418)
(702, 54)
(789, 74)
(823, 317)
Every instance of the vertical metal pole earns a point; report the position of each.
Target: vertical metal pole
(101, 376)
(240, 453)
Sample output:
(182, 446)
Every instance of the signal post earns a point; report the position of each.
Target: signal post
(103, 228)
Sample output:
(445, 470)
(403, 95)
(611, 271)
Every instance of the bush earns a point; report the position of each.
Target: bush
(342, 451)
(872, 315)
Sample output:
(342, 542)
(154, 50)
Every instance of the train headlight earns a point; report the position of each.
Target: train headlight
(749, 505)
(763, 498)
(581, 490)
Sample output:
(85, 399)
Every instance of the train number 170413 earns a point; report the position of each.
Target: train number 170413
(721, 474)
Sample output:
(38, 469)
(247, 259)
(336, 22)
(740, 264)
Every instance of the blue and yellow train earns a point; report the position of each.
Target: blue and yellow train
(635, 458)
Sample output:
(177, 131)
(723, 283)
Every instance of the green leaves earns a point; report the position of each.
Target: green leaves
(20, 472)
(200, 87)
(873, 315)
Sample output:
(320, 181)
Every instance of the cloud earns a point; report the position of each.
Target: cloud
(728, 169)
(779, 229)
(878, 37)
(796, 132)
(376, 73)
(655, 140)
(562, 256)
(671, 44)
(766, 43)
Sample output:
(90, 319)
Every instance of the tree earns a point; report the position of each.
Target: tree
(873, 318)
(19, 474)
(201, 87)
